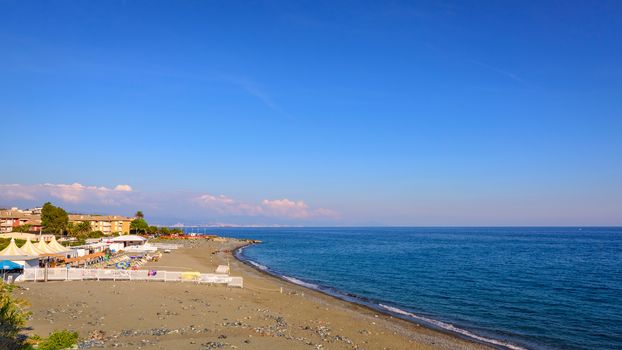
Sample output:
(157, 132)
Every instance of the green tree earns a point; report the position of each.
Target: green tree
(95, 234)
(71, 228)
(22, 228)
(82, 229)
(54, 219)
(139, 214)
(138, 225)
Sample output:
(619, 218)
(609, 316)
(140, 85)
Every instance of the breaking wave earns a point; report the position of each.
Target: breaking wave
(451, 328)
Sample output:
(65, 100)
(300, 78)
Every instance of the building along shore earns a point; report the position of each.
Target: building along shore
(107, 224)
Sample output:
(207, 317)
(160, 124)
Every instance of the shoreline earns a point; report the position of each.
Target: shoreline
(165, 315)
(369, 305)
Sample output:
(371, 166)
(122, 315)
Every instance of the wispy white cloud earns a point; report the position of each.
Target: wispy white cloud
(500, 71)
(222, 204)
(246, 84)
(295, 209)
(286, 207)
(276, 208)
(125, 188)
(256, 90)
(71, 193)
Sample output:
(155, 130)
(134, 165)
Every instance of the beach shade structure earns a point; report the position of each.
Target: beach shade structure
(12, 250)
(57, 247)
(130, 240)
(31, 249)
(7, 265)
(42, 246)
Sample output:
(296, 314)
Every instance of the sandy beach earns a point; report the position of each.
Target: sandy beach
(158, 315)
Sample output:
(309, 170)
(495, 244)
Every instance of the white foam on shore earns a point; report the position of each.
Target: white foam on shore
(452, 328)
(440, 324)
(301, 283)
(239, 254)
(257, 265)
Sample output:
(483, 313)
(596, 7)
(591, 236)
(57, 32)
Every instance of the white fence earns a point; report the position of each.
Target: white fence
(166, 245)
(73, 274)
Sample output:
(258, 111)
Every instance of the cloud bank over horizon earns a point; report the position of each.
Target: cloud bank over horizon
(205, 208)
(166, 208)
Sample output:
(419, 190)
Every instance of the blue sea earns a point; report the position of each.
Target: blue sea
(516, 288)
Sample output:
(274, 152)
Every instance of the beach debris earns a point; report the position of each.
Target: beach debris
(158, 332)
(96, 339)
(343, 339)
(99, 339)
(323, 332)
(90, 343)
(235, 324)
(213, 345)
(97, 335)
(279, 328)
(128, 333)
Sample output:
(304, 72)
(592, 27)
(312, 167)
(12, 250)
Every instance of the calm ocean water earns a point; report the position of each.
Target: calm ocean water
(533, 288)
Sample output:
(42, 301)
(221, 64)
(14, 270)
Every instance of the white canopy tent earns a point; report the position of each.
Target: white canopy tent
(13, 253)
(57, 247)
(30, 248)
(42, 246)
(129, 240)
(12, 249)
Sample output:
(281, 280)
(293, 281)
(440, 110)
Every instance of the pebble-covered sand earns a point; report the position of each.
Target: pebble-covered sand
(158, 315)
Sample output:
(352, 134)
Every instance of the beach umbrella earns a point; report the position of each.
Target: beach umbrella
(9, 265)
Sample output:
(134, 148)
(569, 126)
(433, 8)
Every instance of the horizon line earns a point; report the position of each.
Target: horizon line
(395, 226)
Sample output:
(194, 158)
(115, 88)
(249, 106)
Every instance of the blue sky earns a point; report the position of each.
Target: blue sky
(315, 113)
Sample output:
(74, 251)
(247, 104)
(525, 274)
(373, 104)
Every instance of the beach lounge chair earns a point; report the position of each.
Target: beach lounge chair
(222, 269)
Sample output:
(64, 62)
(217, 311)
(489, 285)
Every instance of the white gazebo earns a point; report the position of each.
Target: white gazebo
(130, 240)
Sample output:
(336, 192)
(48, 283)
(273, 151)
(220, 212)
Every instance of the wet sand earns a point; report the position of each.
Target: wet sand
(159, 315)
